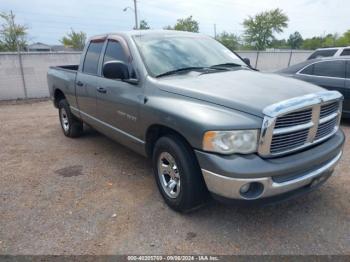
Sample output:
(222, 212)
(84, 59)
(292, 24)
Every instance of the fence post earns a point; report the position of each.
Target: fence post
(22, 73)
(257, 58)
(290, 57)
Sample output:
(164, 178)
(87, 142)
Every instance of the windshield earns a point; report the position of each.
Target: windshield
(164, 53)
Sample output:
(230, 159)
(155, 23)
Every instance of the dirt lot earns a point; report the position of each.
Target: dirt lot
(93, 196)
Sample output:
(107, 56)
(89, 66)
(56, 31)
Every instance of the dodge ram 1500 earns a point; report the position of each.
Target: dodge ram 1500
(210, 123)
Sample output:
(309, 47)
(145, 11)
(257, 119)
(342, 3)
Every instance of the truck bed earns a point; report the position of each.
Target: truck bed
(63, 78)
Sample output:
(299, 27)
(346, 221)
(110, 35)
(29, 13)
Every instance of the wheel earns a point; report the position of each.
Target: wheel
(177, 173)
(71, 126)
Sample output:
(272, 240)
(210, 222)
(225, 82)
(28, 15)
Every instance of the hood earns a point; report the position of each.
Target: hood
(244, 90)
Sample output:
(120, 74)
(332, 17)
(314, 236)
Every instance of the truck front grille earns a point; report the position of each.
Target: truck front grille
(290, 129)
(295, 118)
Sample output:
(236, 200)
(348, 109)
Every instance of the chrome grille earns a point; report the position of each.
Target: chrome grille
(329, 109)
(288, 141)
(295, 118)
(326, 128)
(299, 122)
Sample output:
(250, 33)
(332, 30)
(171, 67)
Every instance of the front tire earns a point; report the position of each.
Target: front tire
(71, 126)
(177, 173)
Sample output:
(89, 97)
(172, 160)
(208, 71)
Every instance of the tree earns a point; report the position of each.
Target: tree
(76, 40)
(144, 25)
(259, 30)
(312, 43)
(295, 40)
(344, 40)
(279, 44)
(185, 24)
(231, 41)
(13, 36)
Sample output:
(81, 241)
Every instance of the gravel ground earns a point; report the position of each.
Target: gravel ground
(93, 196)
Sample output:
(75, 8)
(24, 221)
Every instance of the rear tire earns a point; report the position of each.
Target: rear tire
(71, 126)
(178, 175)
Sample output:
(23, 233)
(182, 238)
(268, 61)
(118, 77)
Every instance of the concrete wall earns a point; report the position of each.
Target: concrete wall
(34, 66)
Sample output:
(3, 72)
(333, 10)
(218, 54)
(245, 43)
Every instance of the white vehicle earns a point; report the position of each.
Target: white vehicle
(330, 52)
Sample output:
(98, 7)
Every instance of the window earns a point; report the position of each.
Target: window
(308, 70)
(345, 52)
(348, 70)
(323, 53)
(90, 65)
(330, 68)
(114, 51)
(167, 52)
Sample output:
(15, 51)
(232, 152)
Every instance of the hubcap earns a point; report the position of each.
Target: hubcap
(64, 119)
(169, 175)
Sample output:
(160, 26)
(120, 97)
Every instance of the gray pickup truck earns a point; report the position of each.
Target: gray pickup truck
(211, 124)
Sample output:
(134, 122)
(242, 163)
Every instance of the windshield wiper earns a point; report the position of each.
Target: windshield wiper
(225, 65)
(174, 72)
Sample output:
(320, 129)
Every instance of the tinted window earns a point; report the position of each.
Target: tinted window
(348, 70)
(92, 56)
(308, 70)
(114, 51)
(345, 52)
(323, 53)
(330, 68)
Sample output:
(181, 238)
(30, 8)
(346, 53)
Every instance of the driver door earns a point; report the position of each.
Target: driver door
(118, 102)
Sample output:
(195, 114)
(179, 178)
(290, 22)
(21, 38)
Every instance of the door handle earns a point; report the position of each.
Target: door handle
(79, 83)
(101, 90)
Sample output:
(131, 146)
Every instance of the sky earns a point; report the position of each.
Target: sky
(49, 20)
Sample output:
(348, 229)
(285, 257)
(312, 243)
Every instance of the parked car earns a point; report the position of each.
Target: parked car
(330, 52)
(329, 73)
(208, 121)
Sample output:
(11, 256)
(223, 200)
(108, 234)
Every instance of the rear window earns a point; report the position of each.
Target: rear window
(90, 65)
(345, 52)
(330, 69)
(323, 53)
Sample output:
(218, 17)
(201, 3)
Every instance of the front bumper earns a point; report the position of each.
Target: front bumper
(225, 175)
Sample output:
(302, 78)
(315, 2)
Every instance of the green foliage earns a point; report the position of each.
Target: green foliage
(330, 40)
(75, 40)
(231, 41)
(185, 24)
(12, 36)
(144, 25)
(295, 40)
(260, 29)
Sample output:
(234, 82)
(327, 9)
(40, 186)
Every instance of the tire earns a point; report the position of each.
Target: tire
(189, 191)
(71, 126)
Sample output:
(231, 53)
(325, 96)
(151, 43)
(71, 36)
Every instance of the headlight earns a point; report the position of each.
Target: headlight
(229, 142)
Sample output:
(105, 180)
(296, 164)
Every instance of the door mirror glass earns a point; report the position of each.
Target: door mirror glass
(116, 70)
(247, 61)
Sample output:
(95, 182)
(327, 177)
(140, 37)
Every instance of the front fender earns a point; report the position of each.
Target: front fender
(192, 117)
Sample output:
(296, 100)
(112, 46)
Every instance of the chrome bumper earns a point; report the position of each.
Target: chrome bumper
(230, 187)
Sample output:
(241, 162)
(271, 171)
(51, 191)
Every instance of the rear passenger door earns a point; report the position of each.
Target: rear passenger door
(86, 81)
(118, 104)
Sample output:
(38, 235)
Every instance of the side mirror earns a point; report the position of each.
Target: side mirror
(116, 70)
(247, 61)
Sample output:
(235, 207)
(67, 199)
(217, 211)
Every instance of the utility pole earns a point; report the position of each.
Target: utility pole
(215, 31)
(136, 20)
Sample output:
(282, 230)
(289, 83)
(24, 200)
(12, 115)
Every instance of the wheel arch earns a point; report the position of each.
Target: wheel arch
(156, 131)
(58, 96)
